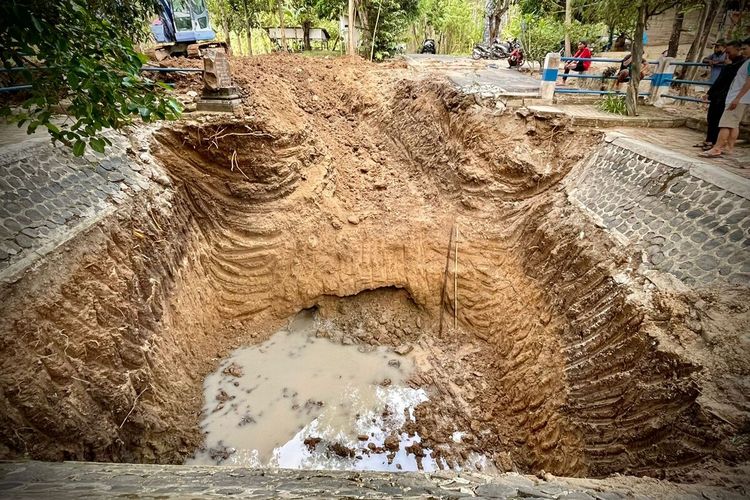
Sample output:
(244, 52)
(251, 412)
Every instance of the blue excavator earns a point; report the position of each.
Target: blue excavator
(183, 29)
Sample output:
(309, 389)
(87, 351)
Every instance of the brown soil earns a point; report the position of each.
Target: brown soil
(343, 187)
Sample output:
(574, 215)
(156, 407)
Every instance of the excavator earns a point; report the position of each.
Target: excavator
(183, 29)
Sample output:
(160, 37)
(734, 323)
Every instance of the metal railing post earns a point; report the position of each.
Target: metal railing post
(549, 75)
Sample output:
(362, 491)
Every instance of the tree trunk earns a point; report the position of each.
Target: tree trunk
(350, 49)
(225, 27)
(631, 97)
(714, 7)
(280, 6)
(693, 52)
(306, 25)
(568, 10)
(249, 38)
(674, 38)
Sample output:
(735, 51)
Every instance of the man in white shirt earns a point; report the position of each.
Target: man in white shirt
(738, 101)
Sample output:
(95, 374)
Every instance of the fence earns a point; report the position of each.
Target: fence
(660, 81)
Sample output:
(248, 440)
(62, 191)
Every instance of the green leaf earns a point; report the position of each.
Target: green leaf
(97, 144)
(79, 147)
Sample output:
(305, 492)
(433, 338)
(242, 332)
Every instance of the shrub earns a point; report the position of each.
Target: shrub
(613, 103)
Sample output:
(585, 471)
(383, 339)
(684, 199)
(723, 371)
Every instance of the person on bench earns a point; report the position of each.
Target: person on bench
(626, 65)
(583, 52)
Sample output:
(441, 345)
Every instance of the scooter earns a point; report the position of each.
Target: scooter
(496, 50)
(428, 47)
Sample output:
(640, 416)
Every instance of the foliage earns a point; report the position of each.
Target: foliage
(84, 64)
(454, 24)
(126, 16)
(613, 103)
(392, 18)
(540, 34)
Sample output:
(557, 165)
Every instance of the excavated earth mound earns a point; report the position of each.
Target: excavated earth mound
(355, 189)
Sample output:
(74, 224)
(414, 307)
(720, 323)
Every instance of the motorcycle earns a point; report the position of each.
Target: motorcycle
(497, 50)
(428, 47)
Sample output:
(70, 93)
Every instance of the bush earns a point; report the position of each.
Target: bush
(612, 103)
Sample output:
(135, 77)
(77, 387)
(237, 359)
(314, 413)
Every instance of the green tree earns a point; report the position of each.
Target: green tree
(384, 23)
(79, 60)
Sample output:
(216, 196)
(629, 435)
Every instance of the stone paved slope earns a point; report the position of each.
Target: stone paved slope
(99, 480)
(689, 219)
(45, 192)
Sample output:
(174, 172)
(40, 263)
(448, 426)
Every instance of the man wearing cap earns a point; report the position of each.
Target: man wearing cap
(737, 101)
(717, 93)
(716, 59)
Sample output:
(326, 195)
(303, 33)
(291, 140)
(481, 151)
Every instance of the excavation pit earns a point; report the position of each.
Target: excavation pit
(413, 220)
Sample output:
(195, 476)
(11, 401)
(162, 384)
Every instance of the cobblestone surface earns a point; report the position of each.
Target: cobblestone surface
(686, 223)
(99, 480)
(45, 192)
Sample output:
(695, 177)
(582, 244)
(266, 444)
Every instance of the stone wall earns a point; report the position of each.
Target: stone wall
(688, 218)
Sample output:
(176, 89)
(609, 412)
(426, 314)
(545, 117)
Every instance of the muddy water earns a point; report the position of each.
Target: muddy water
(297, 401)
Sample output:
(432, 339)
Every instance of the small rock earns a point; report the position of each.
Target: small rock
(391, 443)
(403, 349)
(363, 437)
(192, 93)
(353, 219)
(233, 370)
(311, 443)
(223, 396)
(336, 224)
(394, 363)
(386, 382)
(341, 450)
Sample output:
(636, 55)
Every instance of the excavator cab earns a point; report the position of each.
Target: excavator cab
(183, 27)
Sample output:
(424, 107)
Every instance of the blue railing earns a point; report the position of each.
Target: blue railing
(668, 79)
(660, 80)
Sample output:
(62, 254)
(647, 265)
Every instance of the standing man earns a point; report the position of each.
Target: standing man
(583, 52)
(738, 100)
(717, 94)
(716, 59)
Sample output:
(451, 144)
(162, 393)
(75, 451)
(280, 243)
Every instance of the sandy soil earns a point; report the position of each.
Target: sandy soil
(340, 178)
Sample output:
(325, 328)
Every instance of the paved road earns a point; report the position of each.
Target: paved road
(489, 78)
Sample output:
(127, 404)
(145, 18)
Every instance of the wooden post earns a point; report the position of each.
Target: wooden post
(350, 49)
(455, 282)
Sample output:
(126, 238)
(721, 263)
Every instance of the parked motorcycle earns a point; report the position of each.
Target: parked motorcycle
(510, 50)
(428, 47)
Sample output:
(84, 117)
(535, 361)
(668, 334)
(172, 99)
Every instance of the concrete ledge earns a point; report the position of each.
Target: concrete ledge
(74, 480)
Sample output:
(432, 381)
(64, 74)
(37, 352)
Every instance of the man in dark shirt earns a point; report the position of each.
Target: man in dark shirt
(717, 94)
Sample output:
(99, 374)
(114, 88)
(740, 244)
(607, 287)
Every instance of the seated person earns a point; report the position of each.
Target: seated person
(623, 75)
(583, 52)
